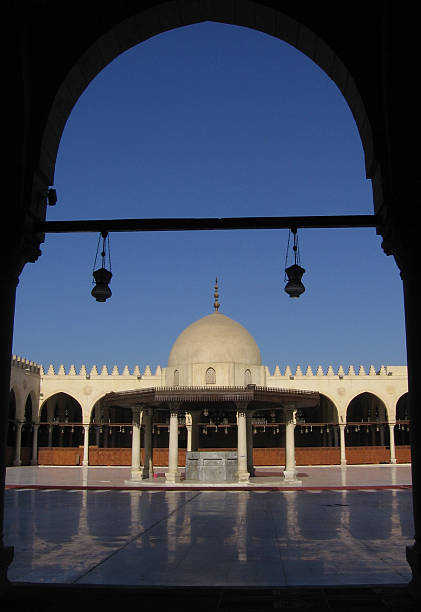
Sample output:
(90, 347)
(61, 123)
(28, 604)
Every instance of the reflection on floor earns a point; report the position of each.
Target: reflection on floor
(210, 538)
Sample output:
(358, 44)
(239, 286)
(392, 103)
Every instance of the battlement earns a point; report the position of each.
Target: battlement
(100, 373)
(340, 372)
(26, 365)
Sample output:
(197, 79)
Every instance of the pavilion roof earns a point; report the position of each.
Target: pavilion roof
(251, 393)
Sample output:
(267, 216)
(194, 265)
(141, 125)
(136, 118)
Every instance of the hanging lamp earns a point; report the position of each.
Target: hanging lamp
(293, 274)
(102, 277)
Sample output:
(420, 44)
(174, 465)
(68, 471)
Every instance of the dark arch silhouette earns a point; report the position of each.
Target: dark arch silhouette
(60, 416)
(402, 421)
(115, 36)
(366, 416)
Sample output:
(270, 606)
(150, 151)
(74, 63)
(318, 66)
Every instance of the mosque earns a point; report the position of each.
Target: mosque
(214, 395)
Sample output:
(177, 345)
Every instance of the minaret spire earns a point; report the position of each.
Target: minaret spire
(216, 296)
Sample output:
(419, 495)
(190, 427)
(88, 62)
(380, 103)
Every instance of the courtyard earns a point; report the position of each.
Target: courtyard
(343, 526)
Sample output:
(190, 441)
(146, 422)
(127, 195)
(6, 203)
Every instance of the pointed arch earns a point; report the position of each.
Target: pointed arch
(176, 381)
(210, 377)
(118, 35)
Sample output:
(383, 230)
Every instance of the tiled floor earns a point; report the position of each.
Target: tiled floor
(119, 477)
(211, 538)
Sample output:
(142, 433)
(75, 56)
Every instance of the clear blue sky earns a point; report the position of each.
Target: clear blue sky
(211, 120)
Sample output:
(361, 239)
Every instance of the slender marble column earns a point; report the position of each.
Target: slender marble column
(243, 473)
(290, 472)
(335, 436)
(173, 474)
(136, 471)
(342, 439)
(249, 424)
(85, 461)
(382, 441)
(195, 431)
(189, 424)
(392, 442)
(18, 460)
(147, 443)
(34, 459)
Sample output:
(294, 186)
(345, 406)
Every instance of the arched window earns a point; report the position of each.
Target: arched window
(176, 378)
(210, 378)
(247, 378)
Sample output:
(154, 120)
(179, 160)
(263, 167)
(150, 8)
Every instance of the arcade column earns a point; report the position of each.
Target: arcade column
(173, 474)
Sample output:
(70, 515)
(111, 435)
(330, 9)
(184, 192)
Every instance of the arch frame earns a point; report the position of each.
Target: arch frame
(139, 26)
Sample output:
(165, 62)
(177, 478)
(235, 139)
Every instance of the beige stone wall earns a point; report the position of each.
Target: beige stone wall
(388, 384)
(25, 380)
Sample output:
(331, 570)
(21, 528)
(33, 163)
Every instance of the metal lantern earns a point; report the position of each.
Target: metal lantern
(101, 292)
(293, 274)
(294, 286)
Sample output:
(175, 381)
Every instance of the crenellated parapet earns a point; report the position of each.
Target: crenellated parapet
(26, 365)
(99, 373)
(340, 372)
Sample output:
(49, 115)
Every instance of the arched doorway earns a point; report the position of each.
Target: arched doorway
(317, 434)
(367, 431)
(401, 429)
(110, 435)
(60, 433)
(388, 126)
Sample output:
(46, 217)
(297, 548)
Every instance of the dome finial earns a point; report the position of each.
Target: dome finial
(216, 296)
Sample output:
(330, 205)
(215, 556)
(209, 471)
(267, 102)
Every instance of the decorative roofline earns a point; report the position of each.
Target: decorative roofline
(25, 364)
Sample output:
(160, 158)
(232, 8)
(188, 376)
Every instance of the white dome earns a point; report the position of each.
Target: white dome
(215, 339)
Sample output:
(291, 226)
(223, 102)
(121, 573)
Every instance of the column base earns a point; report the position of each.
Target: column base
(138, 474)
(17, 462)
(343, 461)
(243, 477)
(85, 463)
(413, 556)
(173, 477)
(290, 474)
(34, 462)
(393, 461)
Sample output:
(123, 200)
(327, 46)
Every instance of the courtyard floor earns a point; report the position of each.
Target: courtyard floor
(344, 526)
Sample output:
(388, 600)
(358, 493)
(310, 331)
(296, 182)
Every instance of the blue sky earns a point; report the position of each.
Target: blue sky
(211, 120)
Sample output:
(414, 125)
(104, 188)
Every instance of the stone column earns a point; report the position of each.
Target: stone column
(392, 442)
(195, 431)
(50, 436)
(249, 425)
(342, 440)
(335, 436)
(11, 267)
(290, 472)
(173, 474)
(402, 241)
(147, 444)
(85, 461)
(136, 471)
(34, 459)
(189, 426)
(243, 473)
(382, 441)
(17, 460)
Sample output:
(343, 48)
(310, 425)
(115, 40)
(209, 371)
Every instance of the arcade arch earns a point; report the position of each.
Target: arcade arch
(60, 422)
(110, 426)
(367, 421)
(402, 421)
